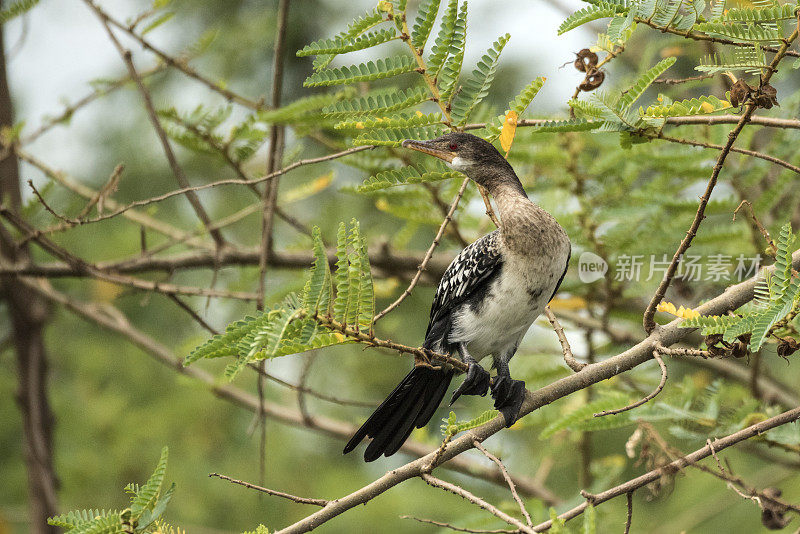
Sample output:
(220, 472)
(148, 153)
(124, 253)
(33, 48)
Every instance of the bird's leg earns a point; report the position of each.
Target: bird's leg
(477, 379)
(508, 394)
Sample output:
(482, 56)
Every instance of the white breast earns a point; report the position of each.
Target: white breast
(513, 302)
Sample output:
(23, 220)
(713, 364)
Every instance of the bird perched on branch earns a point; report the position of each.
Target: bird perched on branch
(486, 300)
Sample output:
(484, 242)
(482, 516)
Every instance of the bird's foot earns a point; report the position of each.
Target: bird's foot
(508, 395)
(475, 383)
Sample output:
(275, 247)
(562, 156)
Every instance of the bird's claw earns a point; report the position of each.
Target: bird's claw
(508, 395)
(475, 383)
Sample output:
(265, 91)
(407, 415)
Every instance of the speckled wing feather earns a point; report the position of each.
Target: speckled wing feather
(468, 273)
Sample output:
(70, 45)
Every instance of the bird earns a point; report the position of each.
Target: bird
(484, 304)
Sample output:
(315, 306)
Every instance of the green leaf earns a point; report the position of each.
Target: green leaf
(424, 22)
(224, 344)
(357, 27)
(340, 45)
(80, 518)
(739, 32)
(353, 275)
(16, 9)
(644, 81)
(441, 46)
(395, 136)
(783, 258)
(572, 125)
(149, 516)
(477, 87)
(364, 72)
(342, 280)
(366, 308)
(384, 102)
(317, 291)
(403, 176)
(163, 18)
(711, 324)
(760, 14)
(695, 106)
(586, 413)
(748, 59)
(302, 109)
(394, 121)
(593, 12)
(147, 495)
(450, 72)
(589, 520)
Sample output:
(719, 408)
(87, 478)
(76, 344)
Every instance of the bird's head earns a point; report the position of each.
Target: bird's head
(469, 154)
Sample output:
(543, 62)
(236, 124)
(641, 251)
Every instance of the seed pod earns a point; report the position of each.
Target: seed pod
(787, 346)
(585, 60)
(739, 92)
(594, 79)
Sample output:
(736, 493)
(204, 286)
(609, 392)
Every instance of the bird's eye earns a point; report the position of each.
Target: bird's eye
(453, 146)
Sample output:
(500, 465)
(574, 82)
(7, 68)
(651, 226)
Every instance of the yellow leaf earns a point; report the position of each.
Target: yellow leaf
(419, 113)
(683, 313)
(360, 125)
(306, 190)
(568, 303)
(706, 107)
(509, 131)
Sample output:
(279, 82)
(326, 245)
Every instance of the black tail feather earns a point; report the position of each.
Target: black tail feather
(411, 404)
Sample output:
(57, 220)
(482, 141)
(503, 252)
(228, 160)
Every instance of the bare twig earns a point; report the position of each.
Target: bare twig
(646, 399)
(640, 481)
(573, 364)
(459, 529)
(648, 321)
(629, 515)
(667, 335)
(113, 320)
(180, 64)
(274, 493)
(428, 254)
(753, 153)
(177, 170)
(461, 492)
(510, 482)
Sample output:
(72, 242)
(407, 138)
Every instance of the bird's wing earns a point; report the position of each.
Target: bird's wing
(468, 272)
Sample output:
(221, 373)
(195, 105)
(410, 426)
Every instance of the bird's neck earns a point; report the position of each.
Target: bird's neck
(524, 225)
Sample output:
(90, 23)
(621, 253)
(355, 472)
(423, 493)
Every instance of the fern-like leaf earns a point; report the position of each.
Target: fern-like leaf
(450, 72)
(441, 46)
(395, 136)
(644, 81)
(223, 344)
(695, 106)
(424, 22)
(146, 497)
(342, 281)
(759, 15)
(394, 121)
(477, 87)
(600, 10)
(740, 32)
(339, 45)
(572, 125)
(379, 103)
(364, 72)
(16, 9)
(403, 176)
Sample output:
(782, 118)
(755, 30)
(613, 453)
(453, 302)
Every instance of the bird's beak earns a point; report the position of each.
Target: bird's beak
(425, 147)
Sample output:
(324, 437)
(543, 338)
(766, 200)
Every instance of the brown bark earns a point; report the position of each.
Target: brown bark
(28, 313)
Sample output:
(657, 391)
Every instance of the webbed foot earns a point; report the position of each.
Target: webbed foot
(508, 395)
(475, 383)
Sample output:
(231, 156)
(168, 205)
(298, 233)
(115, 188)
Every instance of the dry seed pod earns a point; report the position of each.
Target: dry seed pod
(593, 80)
(787, 346)
(739, 92)
(585, 60)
